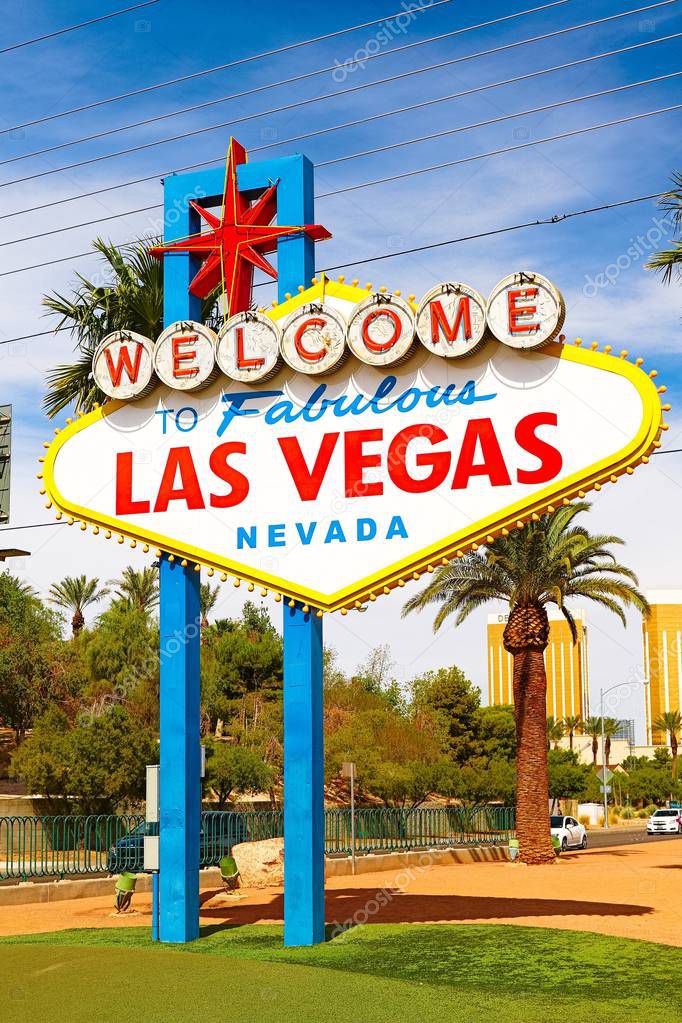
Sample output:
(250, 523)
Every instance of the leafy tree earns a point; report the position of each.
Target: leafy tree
(29, 641)
(568, 778)
(99, 762)
(450, 697)
(41, 761)
(555, 731)
(231, 768)
(208, 598)
(494, 781)
(74, 594)
(669, 261)
(138, 590)
(671, 722)
(547, 562)
(572, 724)
(495, 732)
(122, 656)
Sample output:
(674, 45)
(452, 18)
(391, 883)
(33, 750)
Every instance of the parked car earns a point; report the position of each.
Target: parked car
(215, 842)
(665, 822)
(568, 833)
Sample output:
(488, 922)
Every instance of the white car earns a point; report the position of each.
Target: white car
(665, 822)
(570, 834)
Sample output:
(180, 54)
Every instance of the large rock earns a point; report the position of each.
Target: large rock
(260, 864)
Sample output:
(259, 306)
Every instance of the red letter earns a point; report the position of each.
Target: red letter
(439, 320)
(374, 346)
(180, 357)
(239, 485)
(525, 310)
(480, 430)
(307, 481)
(304, 352)
(242, 361)
(357, 461)
(123, 362)
(550, 458)
(124, 486)
(189, 490)
(438, 461)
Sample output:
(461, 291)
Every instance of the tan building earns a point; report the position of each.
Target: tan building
(565, 663)
(662, 659)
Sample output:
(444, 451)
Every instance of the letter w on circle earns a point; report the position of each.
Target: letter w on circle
(123, 362)
(308, 481)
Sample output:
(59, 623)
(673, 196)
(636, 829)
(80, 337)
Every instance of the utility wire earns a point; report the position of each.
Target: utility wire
(555, 219)
(370, 152)
(249, 92)
(225, 124)
(497, 152)
(271, 53)
(347, 124)
(72, 28)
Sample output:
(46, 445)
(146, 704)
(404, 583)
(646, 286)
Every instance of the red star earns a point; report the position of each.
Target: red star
(238, 240)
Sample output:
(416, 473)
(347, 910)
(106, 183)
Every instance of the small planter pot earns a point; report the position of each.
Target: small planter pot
(514, 849)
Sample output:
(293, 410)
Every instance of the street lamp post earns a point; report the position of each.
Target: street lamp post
(602, 694)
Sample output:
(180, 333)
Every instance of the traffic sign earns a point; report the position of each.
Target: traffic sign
(604, 774)
(606, 789)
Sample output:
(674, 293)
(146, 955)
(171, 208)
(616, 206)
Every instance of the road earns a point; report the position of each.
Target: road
(620, 836)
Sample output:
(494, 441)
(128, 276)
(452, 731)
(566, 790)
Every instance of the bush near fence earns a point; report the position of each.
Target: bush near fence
(61, 846)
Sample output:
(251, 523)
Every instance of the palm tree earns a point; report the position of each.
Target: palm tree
(592, 727)
(138, 590)
(546, 562)
(132, 301)
(74, 594)
(572, 724)
(671, 722)
(555, 731)
(669, 261)
(208, 598)
(611, 728)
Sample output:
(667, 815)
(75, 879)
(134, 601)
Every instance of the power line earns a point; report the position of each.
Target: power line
(555, 219)
(289, 106)
(497, 120)
(263, 88)
(497, 152)
(421, 170)
(347, 124)
(72, 28)
(380, 149)
(231, 64)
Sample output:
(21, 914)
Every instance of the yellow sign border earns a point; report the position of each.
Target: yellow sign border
(368, 588)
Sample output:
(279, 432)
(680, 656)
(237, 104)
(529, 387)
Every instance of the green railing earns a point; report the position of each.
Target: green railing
(389, 829)
(72, 845)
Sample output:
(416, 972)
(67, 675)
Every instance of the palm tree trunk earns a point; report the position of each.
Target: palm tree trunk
(673, 751)
(570, 741)
(595, 750)
(532, 783)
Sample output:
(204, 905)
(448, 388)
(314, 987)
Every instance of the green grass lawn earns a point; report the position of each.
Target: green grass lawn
(377, 973)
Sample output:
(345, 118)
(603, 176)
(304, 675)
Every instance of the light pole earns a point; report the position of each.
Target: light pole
(602, 694)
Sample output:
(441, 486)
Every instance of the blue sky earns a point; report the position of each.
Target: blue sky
(632, 310)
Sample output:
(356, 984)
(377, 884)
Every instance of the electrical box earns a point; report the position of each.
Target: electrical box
(152, 814)
(151, 852)
(5, 459)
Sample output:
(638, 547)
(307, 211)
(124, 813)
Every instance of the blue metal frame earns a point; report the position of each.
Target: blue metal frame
(180, 798)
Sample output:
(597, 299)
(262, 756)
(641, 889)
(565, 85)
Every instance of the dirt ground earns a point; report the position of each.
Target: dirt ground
(628, 891)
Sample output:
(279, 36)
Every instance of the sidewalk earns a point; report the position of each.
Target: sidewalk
(630, 891)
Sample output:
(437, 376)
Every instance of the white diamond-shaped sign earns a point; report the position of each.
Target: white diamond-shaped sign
(332, 489)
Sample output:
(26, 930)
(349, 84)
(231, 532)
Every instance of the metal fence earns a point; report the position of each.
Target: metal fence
(61, 846)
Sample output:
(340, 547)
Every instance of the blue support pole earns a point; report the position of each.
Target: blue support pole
(303, 724)
(303, 778)
(179, 775)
